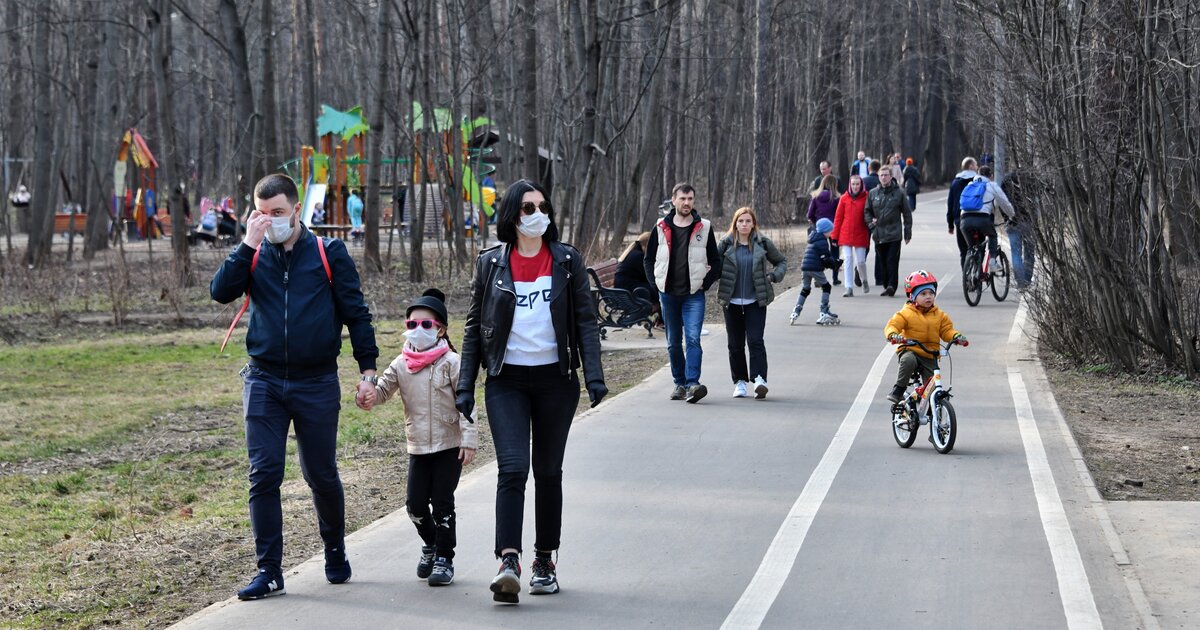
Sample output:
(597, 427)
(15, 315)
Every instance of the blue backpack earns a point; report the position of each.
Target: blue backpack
(972, 197)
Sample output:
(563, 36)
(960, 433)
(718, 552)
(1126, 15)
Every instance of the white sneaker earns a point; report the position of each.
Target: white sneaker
(739, 389)
(760, 387)
(849, 292)
(866, 288)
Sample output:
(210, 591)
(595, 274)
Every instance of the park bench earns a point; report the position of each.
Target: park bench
(62, 222)
(617, 308)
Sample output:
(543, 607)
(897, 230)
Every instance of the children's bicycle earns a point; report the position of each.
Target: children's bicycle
(978, 270)
(927, 402)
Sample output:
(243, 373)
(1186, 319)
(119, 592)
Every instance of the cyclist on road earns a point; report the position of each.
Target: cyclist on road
(979, 202)
(919, 320)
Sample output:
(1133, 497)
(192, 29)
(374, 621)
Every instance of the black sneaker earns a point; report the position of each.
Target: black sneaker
(544, 580)
(443, 572)
(265, 584)
(425, 564)
(679, 393)
(896, 395)
(337, 567)
(696, 392)
(507, 584)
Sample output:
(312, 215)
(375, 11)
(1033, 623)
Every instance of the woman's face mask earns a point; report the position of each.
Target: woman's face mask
(534, 225)
(422, 338)
(281, 229)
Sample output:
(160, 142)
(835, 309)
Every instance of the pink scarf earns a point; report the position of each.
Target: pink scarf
(416, 360)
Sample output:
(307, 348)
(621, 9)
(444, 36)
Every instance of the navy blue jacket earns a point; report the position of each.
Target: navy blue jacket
(296, 316)
(818, 256)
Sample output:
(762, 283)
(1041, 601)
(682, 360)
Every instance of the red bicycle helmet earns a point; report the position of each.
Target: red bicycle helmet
(918, 279)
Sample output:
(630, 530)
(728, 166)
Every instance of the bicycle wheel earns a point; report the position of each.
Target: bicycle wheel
(943, 425)
(972, 282)
(904, 433)
(1001, 276)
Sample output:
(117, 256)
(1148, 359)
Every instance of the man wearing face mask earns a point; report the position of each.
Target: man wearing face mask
(304, 292)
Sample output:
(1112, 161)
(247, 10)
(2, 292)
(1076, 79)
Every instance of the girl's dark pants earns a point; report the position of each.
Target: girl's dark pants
(744, 326)
(524, 403)
(432, 479)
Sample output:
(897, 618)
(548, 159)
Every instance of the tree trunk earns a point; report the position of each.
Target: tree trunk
(168, 181)
(98, 190)
(267, 105)
(41, 205)
(375, 141)
(762, 109)
(527, 85)
(242, 150)
(308, 111)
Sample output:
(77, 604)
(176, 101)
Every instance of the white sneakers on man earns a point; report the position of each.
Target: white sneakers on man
(739, 389)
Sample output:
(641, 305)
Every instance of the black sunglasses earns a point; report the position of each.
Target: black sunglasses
(423, 323)
(528, 207)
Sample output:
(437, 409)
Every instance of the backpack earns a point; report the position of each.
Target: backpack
(253, 264)
(972, 197)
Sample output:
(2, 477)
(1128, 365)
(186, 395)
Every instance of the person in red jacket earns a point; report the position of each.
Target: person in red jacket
(851, 234)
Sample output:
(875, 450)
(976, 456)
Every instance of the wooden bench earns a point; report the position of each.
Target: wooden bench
(62, 223)
(617, 308)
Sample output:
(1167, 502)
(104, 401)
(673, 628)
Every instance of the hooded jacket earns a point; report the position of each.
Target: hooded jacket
(928, 327)
(956, 187)
(994, 199)
(704, 263)
(823, 206)
(818, 256)
(888, 207)
(848, 225)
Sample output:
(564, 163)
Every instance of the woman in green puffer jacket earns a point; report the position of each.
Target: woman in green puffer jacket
(744, 292)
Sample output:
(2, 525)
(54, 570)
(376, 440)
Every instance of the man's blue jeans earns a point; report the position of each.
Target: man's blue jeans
(1022, 256)
(683, 317)
(311, 405)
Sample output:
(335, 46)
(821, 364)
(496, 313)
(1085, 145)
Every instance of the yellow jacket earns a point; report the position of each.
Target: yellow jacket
(928, 327)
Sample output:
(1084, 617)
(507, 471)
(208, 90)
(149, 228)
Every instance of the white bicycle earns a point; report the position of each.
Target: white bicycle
(927, 402)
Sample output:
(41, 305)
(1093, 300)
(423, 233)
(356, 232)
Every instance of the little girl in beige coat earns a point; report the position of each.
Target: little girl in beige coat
(440, 439)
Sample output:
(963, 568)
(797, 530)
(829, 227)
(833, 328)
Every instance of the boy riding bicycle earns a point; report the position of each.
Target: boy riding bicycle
(920, 320)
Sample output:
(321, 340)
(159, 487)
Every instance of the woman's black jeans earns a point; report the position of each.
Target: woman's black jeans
(744, 325)
(525, 402)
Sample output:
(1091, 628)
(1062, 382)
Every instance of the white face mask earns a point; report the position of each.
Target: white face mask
(534, 225)
(280, 230)
(422, 338)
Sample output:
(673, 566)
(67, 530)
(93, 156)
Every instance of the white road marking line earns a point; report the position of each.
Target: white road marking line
(1136, 594)
(1073, 585)
(768, 580)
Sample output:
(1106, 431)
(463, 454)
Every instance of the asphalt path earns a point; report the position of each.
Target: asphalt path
(797, 511)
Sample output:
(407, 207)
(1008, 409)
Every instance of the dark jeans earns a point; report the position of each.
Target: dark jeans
(524, 402)
(270, 404)
(887, 261)
(983, 226)
(961, 240)
(912, 202)
(432, 479)
(744, 326)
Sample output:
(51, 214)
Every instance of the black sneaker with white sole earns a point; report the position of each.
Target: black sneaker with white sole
(544, 580)
(425, 564)
(696, 392)
(265, 584)
(507, 584)
(443, 572)
(337, 567)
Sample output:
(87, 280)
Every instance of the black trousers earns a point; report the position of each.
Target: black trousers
(744, 325)
(530, 409)
(432, 480)
(887, 261)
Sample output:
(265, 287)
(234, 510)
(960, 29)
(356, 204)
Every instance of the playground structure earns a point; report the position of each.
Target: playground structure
(341, 166)
(136, 205)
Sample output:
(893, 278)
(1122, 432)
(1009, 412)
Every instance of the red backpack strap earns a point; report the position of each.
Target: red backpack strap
(246, 302)
(324, 259)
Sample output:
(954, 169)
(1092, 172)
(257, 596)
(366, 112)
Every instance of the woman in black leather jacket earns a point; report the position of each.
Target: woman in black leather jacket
(531, 324)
